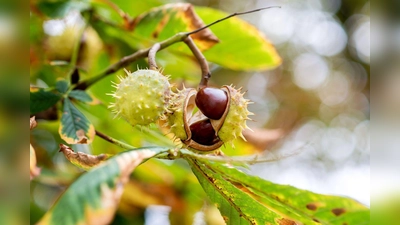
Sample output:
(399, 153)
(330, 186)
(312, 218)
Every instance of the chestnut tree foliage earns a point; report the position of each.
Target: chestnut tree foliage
(109, 170)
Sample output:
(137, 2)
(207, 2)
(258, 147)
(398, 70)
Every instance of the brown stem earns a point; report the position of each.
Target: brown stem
(113, 68)
(128, 60)
(114, 141)
(152, 56)
(205, 70)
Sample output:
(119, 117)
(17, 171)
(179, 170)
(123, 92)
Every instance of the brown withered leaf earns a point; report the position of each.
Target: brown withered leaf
(80, 159)
(196, 22)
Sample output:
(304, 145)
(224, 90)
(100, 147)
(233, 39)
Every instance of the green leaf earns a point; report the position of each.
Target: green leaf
(80, 95)
(386, 208)
(62, 86)
(104, 10)
(60, 8)
(41, 99)
(242, 198)
(75, 128)
(242, 46)
(134, 8)
(93, 198)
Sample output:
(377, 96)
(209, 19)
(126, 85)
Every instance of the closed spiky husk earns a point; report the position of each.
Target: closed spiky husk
(141, 98)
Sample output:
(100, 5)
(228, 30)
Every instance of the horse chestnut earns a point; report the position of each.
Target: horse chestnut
(203, 133)
(212, 102)
(141, 97)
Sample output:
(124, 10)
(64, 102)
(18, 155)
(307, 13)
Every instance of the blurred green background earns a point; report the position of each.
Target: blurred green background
(316, 102)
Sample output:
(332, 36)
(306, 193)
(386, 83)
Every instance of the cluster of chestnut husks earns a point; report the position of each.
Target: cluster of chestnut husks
(220, 119)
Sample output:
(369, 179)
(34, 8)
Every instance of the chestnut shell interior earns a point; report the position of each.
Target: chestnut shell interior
(191, 118)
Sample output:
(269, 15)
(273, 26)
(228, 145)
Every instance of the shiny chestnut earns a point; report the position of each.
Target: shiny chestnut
(203, 133)
(212, 102)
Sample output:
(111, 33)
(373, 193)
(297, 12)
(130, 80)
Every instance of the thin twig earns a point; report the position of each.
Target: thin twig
(114, 141)
(229, 16)
(205, 70)
(152, 56)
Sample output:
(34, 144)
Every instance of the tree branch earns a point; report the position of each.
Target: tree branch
(145, 52)
(128, 60)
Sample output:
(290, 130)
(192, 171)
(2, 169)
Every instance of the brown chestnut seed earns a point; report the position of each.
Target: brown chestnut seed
(203, 133)
(212, 102)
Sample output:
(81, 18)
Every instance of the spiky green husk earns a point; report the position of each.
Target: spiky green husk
(235, 121)
(175, 114)
(142, 97)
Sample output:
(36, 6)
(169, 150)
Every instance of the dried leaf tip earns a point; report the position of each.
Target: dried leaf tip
(32, 122)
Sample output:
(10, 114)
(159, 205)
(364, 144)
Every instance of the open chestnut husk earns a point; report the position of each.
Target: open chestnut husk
(200, 130)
